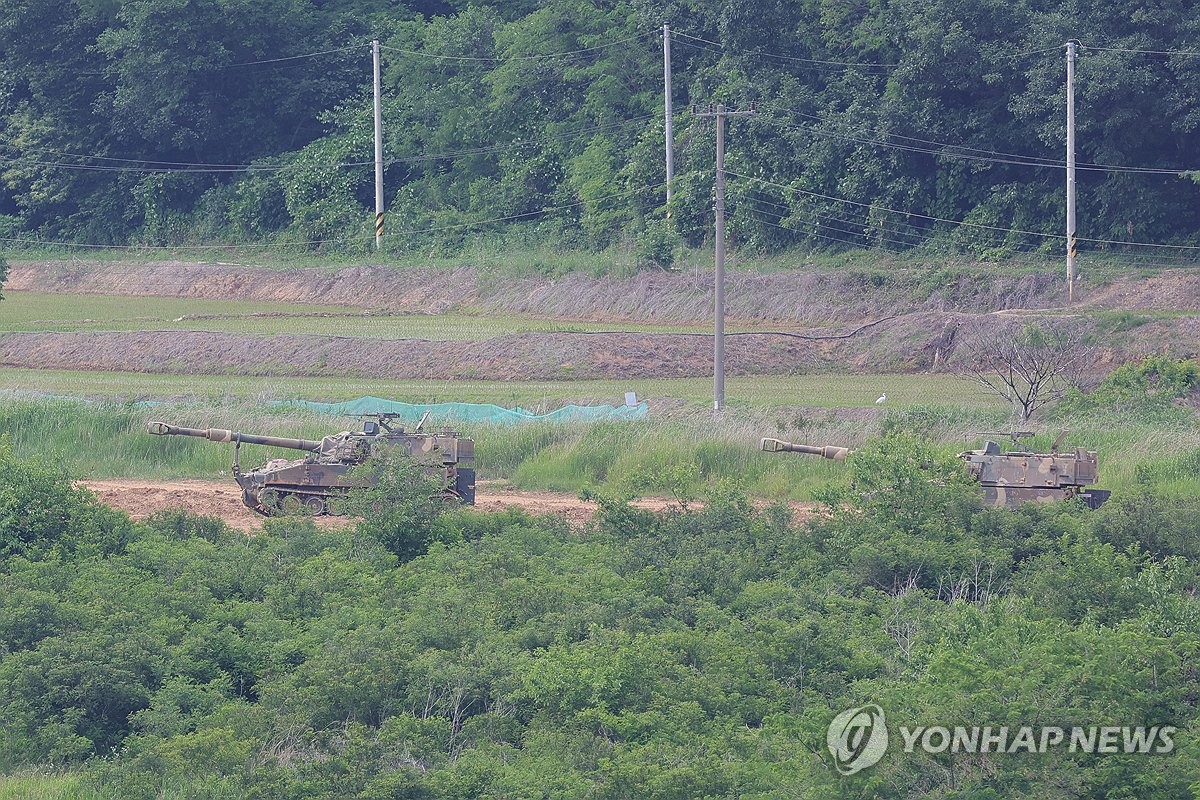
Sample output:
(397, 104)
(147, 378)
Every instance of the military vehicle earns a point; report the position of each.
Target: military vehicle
(1006, 479)
(327, 471)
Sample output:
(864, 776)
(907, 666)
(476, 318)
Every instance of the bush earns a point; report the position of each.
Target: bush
(42, 515)
(1147, 385)
(401, 506)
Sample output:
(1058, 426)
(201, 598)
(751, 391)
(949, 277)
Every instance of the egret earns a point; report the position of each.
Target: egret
(882, 398)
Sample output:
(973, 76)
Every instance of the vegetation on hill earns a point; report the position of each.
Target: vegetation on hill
(675, 655)
(537, 123)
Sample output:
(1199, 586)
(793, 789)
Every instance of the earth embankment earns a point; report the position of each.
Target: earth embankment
(800, 322)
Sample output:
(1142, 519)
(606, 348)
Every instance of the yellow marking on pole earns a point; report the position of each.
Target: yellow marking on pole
(379, 224)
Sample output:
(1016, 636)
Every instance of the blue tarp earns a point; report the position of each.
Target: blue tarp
(471, 412)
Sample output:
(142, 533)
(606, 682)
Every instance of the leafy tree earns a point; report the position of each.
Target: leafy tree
(400, 506)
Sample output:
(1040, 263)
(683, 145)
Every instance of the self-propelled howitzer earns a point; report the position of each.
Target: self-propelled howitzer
(1005, 479)
(328, 469)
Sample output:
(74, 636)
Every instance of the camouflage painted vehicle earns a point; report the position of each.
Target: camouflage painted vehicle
(1006, 479)
(326, 472)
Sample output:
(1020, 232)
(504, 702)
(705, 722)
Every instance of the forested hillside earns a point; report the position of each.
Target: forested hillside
(895, 124)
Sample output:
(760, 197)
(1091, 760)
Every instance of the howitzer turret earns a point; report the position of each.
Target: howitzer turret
(1005, 479)
(327, 471)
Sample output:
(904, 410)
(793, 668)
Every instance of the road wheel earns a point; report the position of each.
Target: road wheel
(269, 501)
(315, 505)
(291, 505)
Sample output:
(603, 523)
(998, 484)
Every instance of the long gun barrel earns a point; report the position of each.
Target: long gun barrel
(824, 451)
(221, 435)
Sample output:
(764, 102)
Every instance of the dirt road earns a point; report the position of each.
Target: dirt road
(141, 498)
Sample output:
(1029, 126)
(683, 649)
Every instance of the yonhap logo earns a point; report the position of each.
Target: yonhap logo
(857, 738)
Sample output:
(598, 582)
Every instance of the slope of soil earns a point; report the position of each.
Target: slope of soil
(804, 298)
(811, 322)
(915, 342)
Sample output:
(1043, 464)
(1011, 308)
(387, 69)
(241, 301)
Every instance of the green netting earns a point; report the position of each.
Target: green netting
(470, 412)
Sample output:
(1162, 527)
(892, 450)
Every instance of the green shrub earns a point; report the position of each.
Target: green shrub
(1147, 385)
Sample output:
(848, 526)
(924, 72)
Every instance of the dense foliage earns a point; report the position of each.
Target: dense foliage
(674, 655)
(136, 121)
(1154, 384)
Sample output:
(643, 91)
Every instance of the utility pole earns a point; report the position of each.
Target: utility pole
(1072, 242)
(720, 112)
(378, 148)
(667, 97)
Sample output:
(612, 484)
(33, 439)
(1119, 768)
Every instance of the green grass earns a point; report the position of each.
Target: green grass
(46, 786)
(522, 253)
(37, 311)
(99, 440)
(109, 440)
(34, 311)
(743, 394)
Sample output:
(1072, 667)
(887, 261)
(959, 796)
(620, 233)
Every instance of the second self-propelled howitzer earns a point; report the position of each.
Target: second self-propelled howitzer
(330, 466)
(1005, 479)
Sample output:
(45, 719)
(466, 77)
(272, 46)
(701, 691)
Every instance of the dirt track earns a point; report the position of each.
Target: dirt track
(141, 498)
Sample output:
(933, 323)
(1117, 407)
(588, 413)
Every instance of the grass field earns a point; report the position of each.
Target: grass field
(40, 311)
(36, 311)
(104, 440)
(521, 255)
(763, 393)
(52, 786)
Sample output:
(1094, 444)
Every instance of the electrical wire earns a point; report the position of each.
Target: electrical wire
(292, 58)
(924, 236)
(892, 210)
(780, 56)
(415, 232)
(994, 157)
(497, 59)
(1144, 52)
(868, 239)
(179, 166)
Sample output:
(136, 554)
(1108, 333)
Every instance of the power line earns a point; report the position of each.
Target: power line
(150, 166)
(892, 210)
(415, 232)
(780, 56)
(911, 241)
(1144, 52)
(292, 58)
(988, 156)
(1182, 259)
(539, 57)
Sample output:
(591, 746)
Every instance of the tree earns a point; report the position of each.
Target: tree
(1028, 365)
(400, 507)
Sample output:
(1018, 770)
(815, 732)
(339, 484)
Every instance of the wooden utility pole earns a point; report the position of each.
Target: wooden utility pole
(720, 112)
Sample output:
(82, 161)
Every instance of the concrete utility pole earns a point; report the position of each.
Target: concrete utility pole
(378, 148)
(667, 99)
(1072, 242)
(720, 112)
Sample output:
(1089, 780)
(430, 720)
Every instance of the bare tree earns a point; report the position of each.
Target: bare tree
(1028, 364)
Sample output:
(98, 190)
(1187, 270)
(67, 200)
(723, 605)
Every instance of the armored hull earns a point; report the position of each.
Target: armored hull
(1005, 479)
(331, 466)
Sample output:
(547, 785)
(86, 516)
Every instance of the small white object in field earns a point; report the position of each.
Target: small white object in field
(882, 399)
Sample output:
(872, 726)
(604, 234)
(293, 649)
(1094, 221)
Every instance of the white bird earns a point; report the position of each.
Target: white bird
(882, 398)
